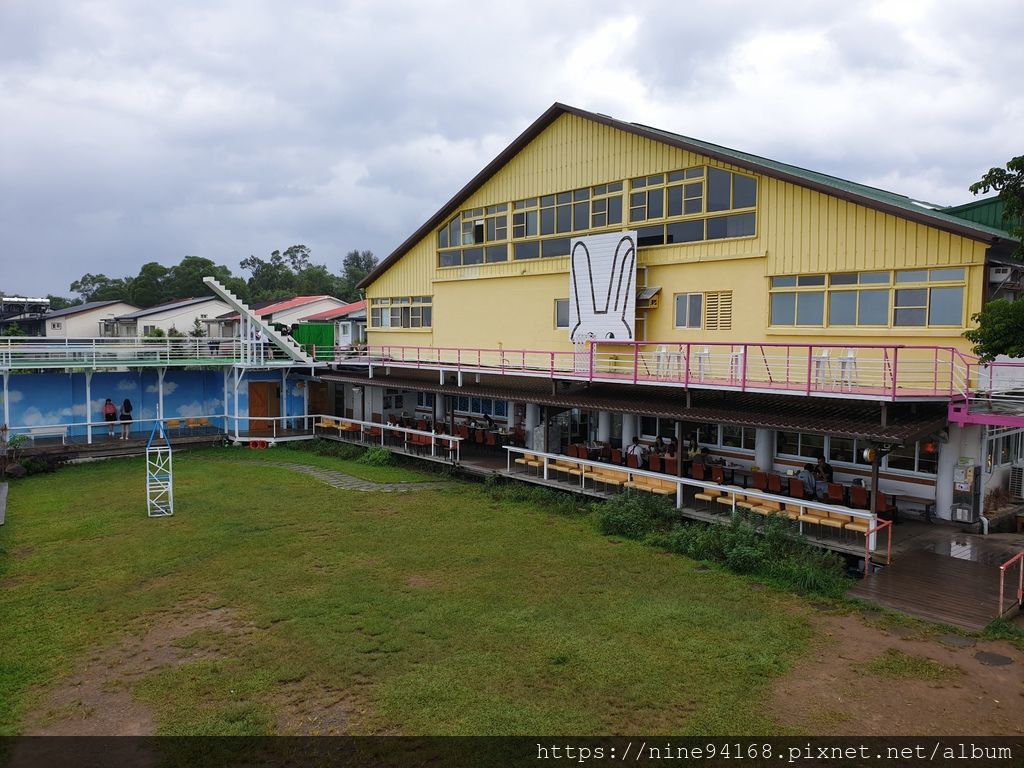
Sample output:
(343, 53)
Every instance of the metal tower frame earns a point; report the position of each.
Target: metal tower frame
(159, 473)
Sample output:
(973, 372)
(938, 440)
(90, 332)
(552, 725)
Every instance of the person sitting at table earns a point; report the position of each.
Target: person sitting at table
(701, 456)
(638, 450)
(823, 475)
(488, 421)
(672, 448)
(472, 422)
(660, 447)
(806, 476)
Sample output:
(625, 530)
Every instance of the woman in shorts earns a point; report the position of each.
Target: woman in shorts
(110, 416)
(126, 418)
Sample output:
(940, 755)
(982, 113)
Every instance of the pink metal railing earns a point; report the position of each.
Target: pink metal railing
(1018, 558)
(867, 371)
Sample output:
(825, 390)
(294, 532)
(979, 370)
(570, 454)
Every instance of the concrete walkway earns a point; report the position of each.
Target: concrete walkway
(337, 479)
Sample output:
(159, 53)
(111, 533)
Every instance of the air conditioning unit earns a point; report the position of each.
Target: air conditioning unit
(1017, 482)
(998, 274)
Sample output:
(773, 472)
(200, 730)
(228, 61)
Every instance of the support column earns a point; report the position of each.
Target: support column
(238, 383)
(160, 392)
(764, 448)
(604, 426)
(532, 422)
(227, 373)
(510, 414)
(949, 454)
(284, 398)
(629, 430)
(7, 401)
(88, 407)
(439, 414)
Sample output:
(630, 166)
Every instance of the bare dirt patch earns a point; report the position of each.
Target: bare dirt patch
(837, 688)
(96, 698)
(305, 709)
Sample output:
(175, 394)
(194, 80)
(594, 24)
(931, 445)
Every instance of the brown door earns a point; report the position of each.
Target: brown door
(264, 400)
(318, 398)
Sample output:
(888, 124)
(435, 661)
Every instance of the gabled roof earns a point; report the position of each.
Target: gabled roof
(86, 307)
(338, 313)
(179, 304)
(283, 305)
(861, 194)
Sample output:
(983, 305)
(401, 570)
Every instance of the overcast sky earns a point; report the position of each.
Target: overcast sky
(137, 131)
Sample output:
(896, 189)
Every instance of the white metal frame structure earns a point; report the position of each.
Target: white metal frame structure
(159, 473)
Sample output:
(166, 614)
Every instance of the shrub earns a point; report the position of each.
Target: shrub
(633, 515)
(377, 457)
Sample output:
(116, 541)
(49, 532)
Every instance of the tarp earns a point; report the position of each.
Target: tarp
(320, 335)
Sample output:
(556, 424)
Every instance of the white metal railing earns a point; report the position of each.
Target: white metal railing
(682, 482)
(100, 352)
(92, 429)
(326, 425)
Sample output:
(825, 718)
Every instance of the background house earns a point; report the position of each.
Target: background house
(349, 323)
(178, 315)
(84, 320)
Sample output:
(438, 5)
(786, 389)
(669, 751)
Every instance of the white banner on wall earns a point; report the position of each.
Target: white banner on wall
(602, 287)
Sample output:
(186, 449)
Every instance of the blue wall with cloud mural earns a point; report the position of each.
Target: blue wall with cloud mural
(38, 399)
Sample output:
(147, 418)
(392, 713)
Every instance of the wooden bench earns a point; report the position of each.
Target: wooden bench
(608, 477)
(653, 485)
(52, 431)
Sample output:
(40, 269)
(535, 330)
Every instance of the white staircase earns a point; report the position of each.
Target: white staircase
(252, 352)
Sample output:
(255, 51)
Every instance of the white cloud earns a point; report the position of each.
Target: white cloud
(169, 387)
(14, 395)
(197, 408)
(127, 385)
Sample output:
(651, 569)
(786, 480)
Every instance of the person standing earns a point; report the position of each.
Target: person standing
(110, 416)
(126, 418)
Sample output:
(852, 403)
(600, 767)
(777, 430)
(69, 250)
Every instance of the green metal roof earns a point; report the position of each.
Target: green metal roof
(988, 211)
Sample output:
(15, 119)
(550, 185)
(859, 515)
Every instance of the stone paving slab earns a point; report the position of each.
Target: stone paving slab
(336, 479)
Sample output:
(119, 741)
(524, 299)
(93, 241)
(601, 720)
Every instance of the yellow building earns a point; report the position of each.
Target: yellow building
(780, 312)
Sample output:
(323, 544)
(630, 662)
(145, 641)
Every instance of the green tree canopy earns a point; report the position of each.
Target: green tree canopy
(1000, 330)
(1009, 182)
(101, 288)
(354, 267)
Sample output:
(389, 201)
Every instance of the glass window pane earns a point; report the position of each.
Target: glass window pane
(811, 445)
(784, 282)
(655, 203)
(682, 301)
(547, 221)
(947, 274)
(783, 308)
(810, 280)
(563, 221)
(874, 277)
(442, 238)
(848, 278)
(841, 449)
(842, 308)
(719, 183)
(647, 236)
(450, 258)
(531, 223)
(787, 443)
(473, 256)
(732, 437)
(527, 250)
(686, 231)
(648, 426)
(912, 276)
(497, 253)
(810, 308)
(581, 194)
(909, 317)
(744, 191)
(946, 306)
(557, 247)
(561, 313)
(675, 201)
(928, 457)
(874, 308)
(581, 216)
(911, 297)
(696, 306)
(741, 225)
(901, 457)
(615, 210)
(693, 206)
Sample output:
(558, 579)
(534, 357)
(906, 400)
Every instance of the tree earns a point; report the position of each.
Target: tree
(14, 330)
(197, 331)
(101, 288)
(1009, 182)
(1000, 330)
(149, 287)
(61, 302)
(354, 267)
(269, 279)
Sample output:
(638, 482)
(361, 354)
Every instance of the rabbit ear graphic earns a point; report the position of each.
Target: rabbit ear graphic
(582, 286)
(625, 260)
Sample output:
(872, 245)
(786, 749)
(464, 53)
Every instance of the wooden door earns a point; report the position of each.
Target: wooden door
(318, 398)
(264, 400)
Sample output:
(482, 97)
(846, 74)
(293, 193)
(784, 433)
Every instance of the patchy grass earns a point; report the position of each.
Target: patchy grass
(897, 665)
(443, 611)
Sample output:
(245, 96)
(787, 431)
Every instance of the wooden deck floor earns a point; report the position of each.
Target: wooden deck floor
(934, 587)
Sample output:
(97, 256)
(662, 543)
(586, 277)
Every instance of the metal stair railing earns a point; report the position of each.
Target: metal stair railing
(251, 352)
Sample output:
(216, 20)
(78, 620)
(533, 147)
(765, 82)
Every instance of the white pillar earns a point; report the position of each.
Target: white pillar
(88, 407)
(238, 383)
(284, 398)
(510, 413)
(532, 418)
(7, 401)
(604, 426)
(160, 392)
(949, 455)
(439, 414)
(225, 401)
(764, 448)
(629, 430)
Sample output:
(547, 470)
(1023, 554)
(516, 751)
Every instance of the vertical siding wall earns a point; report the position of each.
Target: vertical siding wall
(799, 231)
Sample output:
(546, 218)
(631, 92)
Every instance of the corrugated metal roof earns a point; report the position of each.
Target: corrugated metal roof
(871, 197)
(988, 211)
(179, 304)
(839, 418)
(79, 308)
(335, 314)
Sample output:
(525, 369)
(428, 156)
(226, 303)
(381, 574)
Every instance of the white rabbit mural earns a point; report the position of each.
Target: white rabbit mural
(603, 287)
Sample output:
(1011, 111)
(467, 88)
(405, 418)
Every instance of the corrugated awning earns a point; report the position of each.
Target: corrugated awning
(903, 423)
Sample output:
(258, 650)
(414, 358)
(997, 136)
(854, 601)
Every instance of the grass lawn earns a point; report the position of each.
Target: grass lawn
(440, 611)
